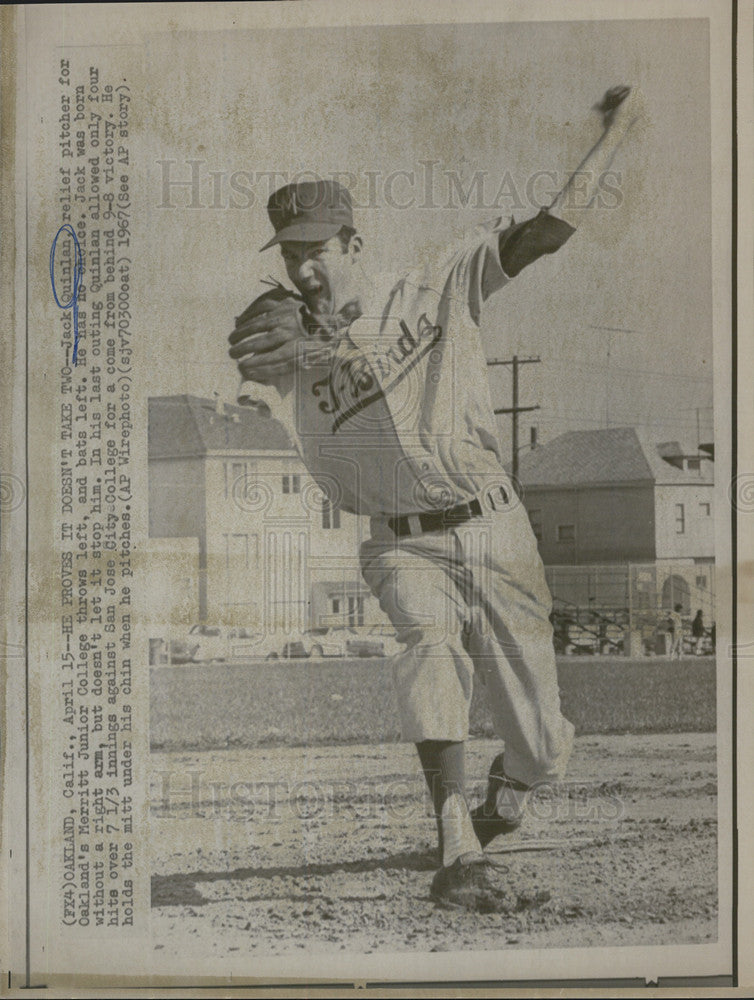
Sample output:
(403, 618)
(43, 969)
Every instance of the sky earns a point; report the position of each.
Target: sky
(506, 100)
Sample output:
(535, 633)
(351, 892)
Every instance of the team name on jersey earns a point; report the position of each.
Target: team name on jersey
(362, 375)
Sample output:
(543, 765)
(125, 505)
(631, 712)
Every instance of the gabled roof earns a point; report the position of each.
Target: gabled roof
(601, 457)
(189, 426)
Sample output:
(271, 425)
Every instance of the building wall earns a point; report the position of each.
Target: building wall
(685, 518)
(610, 524)
(176, 497)
(172, 566)
(269, 542)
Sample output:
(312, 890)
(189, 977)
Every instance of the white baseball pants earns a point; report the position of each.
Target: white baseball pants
(474, 599)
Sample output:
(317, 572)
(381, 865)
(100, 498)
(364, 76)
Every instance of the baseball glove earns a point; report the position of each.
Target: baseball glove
(265, 338)
(612, 98)
(264, 341)
(273, 303)
(276, 306)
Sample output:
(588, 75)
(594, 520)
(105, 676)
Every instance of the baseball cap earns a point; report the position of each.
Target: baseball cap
(309, 211)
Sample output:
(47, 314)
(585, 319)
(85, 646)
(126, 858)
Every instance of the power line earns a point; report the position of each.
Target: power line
(626, 421)
(580, 416)
(608, 368)
(615, 329)
(610, 330)
(652, 372)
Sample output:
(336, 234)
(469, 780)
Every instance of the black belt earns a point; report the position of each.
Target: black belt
(436, 520)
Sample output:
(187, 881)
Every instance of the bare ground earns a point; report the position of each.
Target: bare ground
(275, 850)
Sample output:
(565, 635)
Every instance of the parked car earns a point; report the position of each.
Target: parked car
(163, 650)
(385, 634)
(338, 640)
(295, 649)
(366, 641)
(219, 643)
(205, 644)
(364, 646)
(325, 641)
(375, 640)
(313, 642)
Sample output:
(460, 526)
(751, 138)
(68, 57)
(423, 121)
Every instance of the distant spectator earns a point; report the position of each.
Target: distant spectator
(697, 631)
(713, 635)
(676, 628)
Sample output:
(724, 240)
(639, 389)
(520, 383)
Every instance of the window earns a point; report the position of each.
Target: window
(233, 472)
(355, 610)
(705, 509)
(236, 552)
(330, 515)
(335, 605)
(680, 519)
(566, 532)
(292, 483)
(535, 519)
(692, 464)
(701, 582)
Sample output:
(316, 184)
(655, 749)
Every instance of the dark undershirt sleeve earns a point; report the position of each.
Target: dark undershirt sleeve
(522, 243)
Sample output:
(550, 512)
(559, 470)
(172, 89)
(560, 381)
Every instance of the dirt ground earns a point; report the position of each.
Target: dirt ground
(272, 851)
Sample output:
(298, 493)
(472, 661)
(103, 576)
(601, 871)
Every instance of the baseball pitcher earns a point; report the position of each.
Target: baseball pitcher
(384, 391)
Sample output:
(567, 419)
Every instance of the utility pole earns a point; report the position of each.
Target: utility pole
(514, 410)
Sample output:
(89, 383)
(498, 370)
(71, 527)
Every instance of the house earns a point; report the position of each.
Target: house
(603, 499)
(239, 533)
(614, 496)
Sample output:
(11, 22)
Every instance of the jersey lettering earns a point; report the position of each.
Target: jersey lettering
(362, 377)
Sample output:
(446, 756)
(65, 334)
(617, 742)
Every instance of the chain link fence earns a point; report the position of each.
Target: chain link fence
(624, 609)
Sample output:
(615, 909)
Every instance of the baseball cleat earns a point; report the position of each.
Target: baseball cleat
(468, 887)
(488, 826)
(486, 820)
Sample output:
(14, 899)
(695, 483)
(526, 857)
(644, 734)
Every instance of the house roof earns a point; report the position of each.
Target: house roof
(183, 426)
(612, 455)
(661, 458)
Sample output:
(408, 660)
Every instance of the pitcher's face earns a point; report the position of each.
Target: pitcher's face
(324, 273)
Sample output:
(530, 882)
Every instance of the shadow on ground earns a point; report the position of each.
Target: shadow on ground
(181, 889)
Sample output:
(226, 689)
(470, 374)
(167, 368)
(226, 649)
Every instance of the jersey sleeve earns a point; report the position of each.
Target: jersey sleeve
(523, 243)
(489, 257)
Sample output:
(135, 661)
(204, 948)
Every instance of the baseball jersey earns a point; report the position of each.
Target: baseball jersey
(396, 417)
